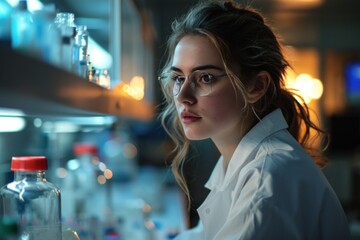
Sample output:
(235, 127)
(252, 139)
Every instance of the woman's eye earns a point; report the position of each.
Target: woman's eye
(207, 78)
(178, 79)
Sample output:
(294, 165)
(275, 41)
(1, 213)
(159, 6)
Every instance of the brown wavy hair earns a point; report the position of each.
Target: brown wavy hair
(246, 43)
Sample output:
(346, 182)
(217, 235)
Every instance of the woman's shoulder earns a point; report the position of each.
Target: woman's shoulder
(280, 158)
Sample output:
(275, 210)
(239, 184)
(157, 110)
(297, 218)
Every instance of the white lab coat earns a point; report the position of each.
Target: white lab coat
(272, 189)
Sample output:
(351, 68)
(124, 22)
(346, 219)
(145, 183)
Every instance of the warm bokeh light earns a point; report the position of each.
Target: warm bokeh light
(61, 172)
(149, 224)
(306, 86)
(95, 160)
(101, 179)
(300, 3)
(146, 208)
(317, 89)
(135, 89)
(108, 174)
(130, 150)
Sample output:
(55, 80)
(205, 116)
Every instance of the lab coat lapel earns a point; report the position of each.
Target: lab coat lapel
(213, 212)
(215, 209)
(245, 151)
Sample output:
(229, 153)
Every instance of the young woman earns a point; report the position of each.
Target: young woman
(224, 80)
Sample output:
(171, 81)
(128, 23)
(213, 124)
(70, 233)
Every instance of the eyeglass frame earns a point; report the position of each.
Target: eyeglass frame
(192, 82)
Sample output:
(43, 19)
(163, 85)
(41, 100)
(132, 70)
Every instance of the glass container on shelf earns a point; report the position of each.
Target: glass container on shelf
(81, 42)
(80, 187)
(104, 79)
(5, 23)
(47, 39)
(66, 22)
(32, 200)
(22, 30)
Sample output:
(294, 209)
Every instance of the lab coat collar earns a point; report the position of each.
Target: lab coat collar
(270, 124)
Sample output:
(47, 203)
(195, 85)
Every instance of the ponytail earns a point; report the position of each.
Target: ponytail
(301, 127)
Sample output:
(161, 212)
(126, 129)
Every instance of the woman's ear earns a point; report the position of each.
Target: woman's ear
(258, 86)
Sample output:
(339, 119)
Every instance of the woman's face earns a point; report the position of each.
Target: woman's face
(216, 115)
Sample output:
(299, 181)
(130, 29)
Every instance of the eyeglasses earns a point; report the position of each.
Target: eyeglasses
(200, 82)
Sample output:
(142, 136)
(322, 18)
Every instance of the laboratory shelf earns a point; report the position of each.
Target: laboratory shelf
(42, 89)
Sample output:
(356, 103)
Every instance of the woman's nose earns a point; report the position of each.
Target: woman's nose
(186, 92)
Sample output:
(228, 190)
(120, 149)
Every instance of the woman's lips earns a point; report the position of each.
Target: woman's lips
(188, 117)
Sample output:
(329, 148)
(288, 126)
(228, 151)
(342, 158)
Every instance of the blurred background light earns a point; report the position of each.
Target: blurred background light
(306, 86)
(11, 120)
(33, 5)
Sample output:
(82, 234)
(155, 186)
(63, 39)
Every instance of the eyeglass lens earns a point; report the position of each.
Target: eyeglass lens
(200, 83)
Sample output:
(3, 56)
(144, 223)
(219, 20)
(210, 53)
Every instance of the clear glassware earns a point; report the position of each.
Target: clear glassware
(104, 79)
(81, 42)
(80, 188)
(65, 19)
(22, 31)
(5, 23)
(66, 22)
(33, 201)
(47, 36)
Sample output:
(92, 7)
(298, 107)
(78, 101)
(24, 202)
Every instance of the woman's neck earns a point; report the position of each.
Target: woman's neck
(228, 142)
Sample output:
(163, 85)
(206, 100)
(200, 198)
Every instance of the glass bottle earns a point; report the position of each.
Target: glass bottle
(32, 200)
(66, 23)
(47, 36)
(5, 23)
(104, 79)
(86, 179)
(22, 30)
(80, 189)
(81, 42)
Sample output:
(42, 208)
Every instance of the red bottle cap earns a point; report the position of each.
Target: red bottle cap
(85, 148)
(29, 163)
